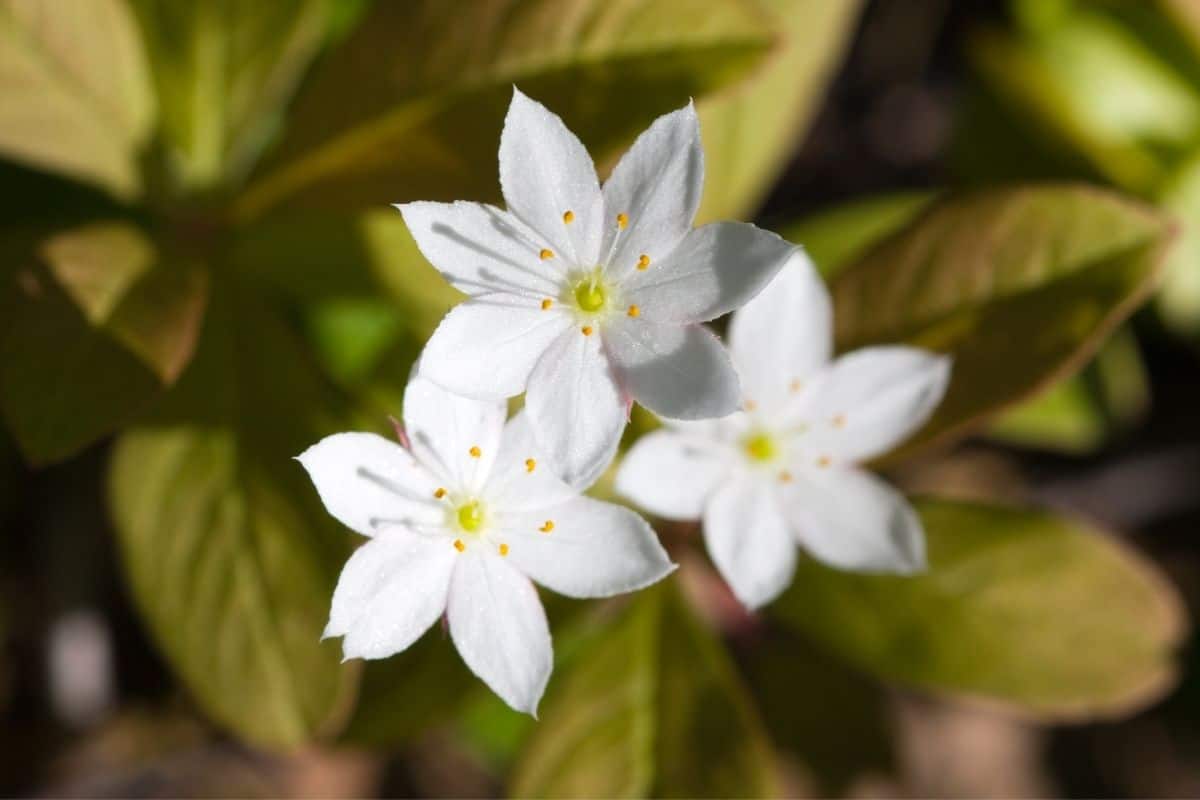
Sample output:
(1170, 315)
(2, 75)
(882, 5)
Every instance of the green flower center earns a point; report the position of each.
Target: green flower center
(760, 447)
(590, 295)
(470, 516)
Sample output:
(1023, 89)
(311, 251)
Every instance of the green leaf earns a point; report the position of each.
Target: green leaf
(1179, 300)
(75, 89)
(224, 70)
(1056, 267)
(429, 93)
(651, 707)
(751, 130)
(1030, 611)
(230, 556)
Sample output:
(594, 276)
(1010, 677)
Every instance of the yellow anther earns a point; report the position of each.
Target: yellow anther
(549, 526)
(795, 385)
(751, 405)
(824, 461)
(839, 421)
(503, 549)
(475, 451)
(643, 261)
(546, 304)
(622, 220)
(530, 465)
(440, 493)
(568, 217)
(785, 477)
(459, 546)
(545, 254)
(587, 330)
(633, 311)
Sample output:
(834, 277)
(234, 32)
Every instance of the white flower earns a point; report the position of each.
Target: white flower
(459, 522)
(783, 471)
(588, 299)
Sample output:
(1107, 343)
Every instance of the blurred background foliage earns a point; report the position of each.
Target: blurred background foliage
(200, 276)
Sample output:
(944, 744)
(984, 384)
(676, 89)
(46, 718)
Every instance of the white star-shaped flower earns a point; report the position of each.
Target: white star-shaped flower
(783, 471)
(459, 522)
(586, 298)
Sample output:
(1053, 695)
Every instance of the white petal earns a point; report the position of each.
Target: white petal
(657, 185)
(594, 549)
(750, 542)
(850, 519)
(671, 474)
(544, 172)
(521, 479)
(480, 249)
(487, 349)
(676, 371)
(365, 482)
(783, 336)
(455, 437)
(390, 591)
(715, 269)
(868, 401)
(575, 408)
(499, 628)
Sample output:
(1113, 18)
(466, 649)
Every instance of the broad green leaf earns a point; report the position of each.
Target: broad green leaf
(751, 130)
(1033, 612)
(230, 556)
(651, 707)
(75, 96)
(1020, 285)
(1179, 300)
(224, 70)
(429, 92)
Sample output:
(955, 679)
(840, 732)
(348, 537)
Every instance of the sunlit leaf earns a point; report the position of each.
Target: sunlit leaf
(651, 707)
(76, 91)
(1041, 615)
(1179, 300)
(430, 92)
(752, 129)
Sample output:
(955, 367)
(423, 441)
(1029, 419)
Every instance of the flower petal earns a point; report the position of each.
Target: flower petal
(676, 371)
(783, 336)
(480, 249)
(850, 519)
(520, 478)
(390, 591)
(671, 474)
(657, 186)
(715, 269)
(868, 401)
(499, 627)
(545, 171)
(487, 349)
(749, 541)
(455, 437)
(575, 408)
(365, 481)
(591, 549)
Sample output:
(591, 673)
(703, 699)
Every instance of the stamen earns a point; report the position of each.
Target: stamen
(839, 421)
(643, 261)
(546, 304)
(795, 385)
(546, 255)
(475, 451)
(440, 493)
(750, 405)
(587, 330)
(634, 311)
(568, 217)
(530, 465)
(503, 549)
(459, 546)
(785, 477)
(622, 220)
(824, 461)
(549, 526)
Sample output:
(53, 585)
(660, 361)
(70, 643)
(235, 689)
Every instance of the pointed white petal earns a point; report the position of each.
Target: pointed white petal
(390, 591)
(750, 542)
(545, 172)
(715, 269)
(850, 519)
(657, 186)
(366, 482)
(487, 349)
(521, 478)
(480, 249)
(499, 628)
(676, 371)
(591, 549)
(576, 409)
(870, 400)
(457, 438)
(671, 474)
(783, 336)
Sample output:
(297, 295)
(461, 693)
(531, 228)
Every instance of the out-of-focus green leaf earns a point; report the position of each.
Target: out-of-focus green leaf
(750, 130)
(1022, 608)
(224, 70)
(430, 92)
(1179, 300)
(652, 707)
(77, 96)
(230, 556)
(1056, 267)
